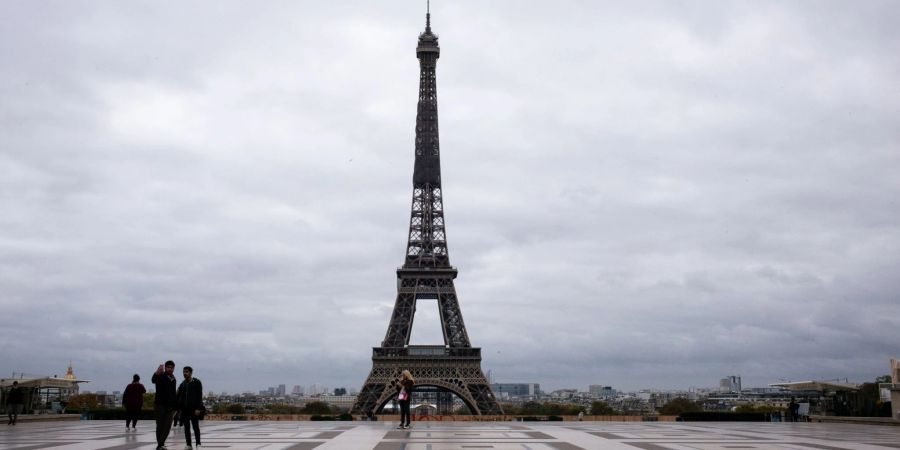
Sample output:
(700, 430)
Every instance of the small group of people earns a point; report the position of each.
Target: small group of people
(183, 404)
(15, 398)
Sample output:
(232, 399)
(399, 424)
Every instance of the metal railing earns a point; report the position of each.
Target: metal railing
(426, 351)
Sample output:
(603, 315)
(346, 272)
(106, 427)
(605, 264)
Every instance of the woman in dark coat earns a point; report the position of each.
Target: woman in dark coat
(403, 397)
(133, 400)
(190, 405)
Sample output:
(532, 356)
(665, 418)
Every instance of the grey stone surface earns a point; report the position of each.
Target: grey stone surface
(460, 435)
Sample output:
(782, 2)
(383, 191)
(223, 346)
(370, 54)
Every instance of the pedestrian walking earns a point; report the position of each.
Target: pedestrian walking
(794, 409)
(190, 405)
(404, 395)
(165, 403)
(133, 400)
(14, 400)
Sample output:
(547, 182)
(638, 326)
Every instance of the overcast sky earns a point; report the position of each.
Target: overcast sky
(638, 194)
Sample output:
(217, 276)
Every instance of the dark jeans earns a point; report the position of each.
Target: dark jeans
(190, 421)
(404, 412)
(13, 410)
(163, 416)
(131, 417)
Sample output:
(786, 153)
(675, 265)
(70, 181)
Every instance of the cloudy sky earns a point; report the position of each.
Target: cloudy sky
(650, 194)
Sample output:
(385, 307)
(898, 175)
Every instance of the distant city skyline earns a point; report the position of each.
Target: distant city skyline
(729, 382)
(650, 194)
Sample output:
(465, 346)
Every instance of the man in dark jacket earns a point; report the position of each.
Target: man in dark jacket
(793, 410)
(190, 405)
(14, 399)
(165, 403)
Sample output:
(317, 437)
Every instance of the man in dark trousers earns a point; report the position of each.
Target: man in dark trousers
(190, 405)
(133, 401)
(165, 403)
(14, 399)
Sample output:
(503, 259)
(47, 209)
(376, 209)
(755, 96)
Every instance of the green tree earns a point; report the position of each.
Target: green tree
(235, 408)
(81, 402)
(602, 409)
(555, 409)
(678, 406)
(317, 407)
(149, 398)
(868, 400)
(282, 409)
(532, 408)
(749, 408)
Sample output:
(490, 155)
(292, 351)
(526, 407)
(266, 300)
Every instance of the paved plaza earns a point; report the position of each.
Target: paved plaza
(460, 435)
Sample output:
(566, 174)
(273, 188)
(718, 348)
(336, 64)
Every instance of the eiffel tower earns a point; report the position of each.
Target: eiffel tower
(427, 275)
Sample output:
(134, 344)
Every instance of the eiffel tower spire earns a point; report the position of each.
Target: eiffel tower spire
(455, 366)
(427, 244)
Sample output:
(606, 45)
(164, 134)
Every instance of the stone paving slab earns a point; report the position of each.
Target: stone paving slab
(90, 435)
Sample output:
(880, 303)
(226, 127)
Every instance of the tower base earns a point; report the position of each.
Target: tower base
(456, 370)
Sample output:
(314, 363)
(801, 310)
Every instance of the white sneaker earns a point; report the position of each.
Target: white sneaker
(188, 447)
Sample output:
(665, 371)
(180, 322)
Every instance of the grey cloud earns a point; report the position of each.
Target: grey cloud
(651, 194)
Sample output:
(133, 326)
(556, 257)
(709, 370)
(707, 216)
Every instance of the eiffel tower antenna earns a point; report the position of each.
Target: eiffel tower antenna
(453, 368)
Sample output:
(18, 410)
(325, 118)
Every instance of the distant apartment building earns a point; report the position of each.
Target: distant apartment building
(600, 391)
(565, 394)
(281, 391)
(270, 392)
(516, 390)
(298, 390)
(341, 401)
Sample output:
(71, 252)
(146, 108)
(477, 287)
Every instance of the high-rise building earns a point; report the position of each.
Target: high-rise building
(281, 391)
(598, 390)
(268, 392)
(508, 390)
(731, 383)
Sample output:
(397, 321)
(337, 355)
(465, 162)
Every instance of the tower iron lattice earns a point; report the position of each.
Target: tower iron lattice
(427, 275)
